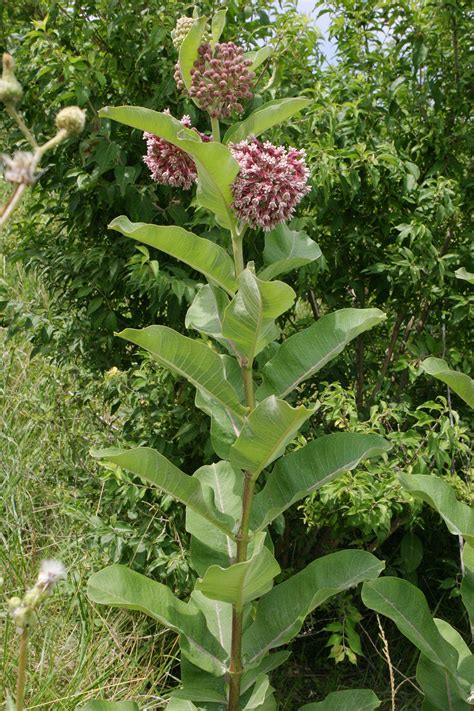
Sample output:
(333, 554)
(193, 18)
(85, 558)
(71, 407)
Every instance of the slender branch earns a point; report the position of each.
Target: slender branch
(21, 673)
(12, 204)
(16, 116)
(388, 355)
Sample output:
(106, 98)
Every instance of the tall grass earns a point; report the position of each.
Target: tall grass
(49, 490)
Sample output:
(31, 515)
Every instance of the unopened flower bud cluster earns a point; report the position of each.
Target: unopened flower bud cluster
(183, 25)
(23, 609)
(220, 79)
(10, 88)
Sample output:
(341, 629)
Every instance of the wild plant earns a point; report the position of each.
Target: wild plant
(249, 385)
(21, 169)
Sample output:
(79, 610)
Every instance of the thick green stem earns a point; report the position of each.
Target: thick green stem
(236, 669)
(21, 673)
(216, 131)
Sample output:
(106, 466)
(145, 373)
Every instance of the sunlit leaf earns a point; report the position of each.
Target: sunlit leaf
(287, 249)
(302, 355)
(460, 383)
(201, 254)
(263, 118)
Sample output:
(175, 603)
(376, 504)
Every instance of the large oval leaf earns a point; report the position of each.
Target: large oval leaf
(118, 586)
(406, 605)
(189, 358)
(287, 249)
(299, 473)
(201, 254)
(459, 517)
(265, 434)
(263, 118)
(350, 700)
(302, 355)
(155, 469)
(459, 382)
(281, 612)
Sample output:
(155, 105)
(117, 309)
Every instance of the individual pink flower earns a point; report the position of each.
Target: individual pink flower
(168, 164)
(271, 182)
(221, 79)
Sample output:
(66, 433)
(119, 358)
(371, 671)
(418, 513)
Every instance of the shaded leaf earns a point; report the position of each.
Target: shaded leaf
(287, 249)
(299, 473)
(406, 605)
(350, 700)
(281, 612)
(118, 586)
(467, 584)
(199, 253)
(190, 359)
(208, 546)
(206, 313)
(302, 355)
(458, 517)
(154, 468)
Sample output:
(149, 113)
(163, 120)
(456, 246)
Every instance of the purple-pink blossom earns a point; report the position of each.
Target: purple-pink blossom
(220, 79)
(271, 182)
(168, 164)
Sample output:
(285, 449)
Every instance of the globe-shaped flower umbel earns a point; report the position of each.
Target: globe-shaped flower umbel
(220, 79)
(271, 182)
(168, 164)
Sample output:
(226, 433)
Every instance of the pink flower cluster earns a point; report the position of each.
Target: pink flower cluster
(221, 79)
(168, 164)
(270, 184)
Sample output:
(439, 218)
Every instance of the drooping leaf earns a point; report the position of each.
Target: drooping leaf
(201, 254)
(118, 586)
(241, 582)
(268, 664)
(459, 382)
(458, 517)
(154, 468)
(302, 355)
(263, 118)
(442, 688)
(214, 162)
(462, 273)
(299, 473)
(287, 249)
(406, 605)
(109, 706)
(281, 612)
(259, 56)
(188, 51)
(189, 358)
(266, 433)
(350, 700)
(249, 318)
(217, 25)
(208, 546)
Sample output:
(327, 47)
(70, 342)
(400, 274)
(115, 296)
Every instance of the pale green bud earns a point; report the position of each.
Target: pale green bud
(72, 119)
(14, 602)
(10, 88)
(183, 25)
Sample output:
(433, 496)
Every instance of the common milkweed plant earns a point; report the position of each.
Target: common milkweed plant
(236, 616)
